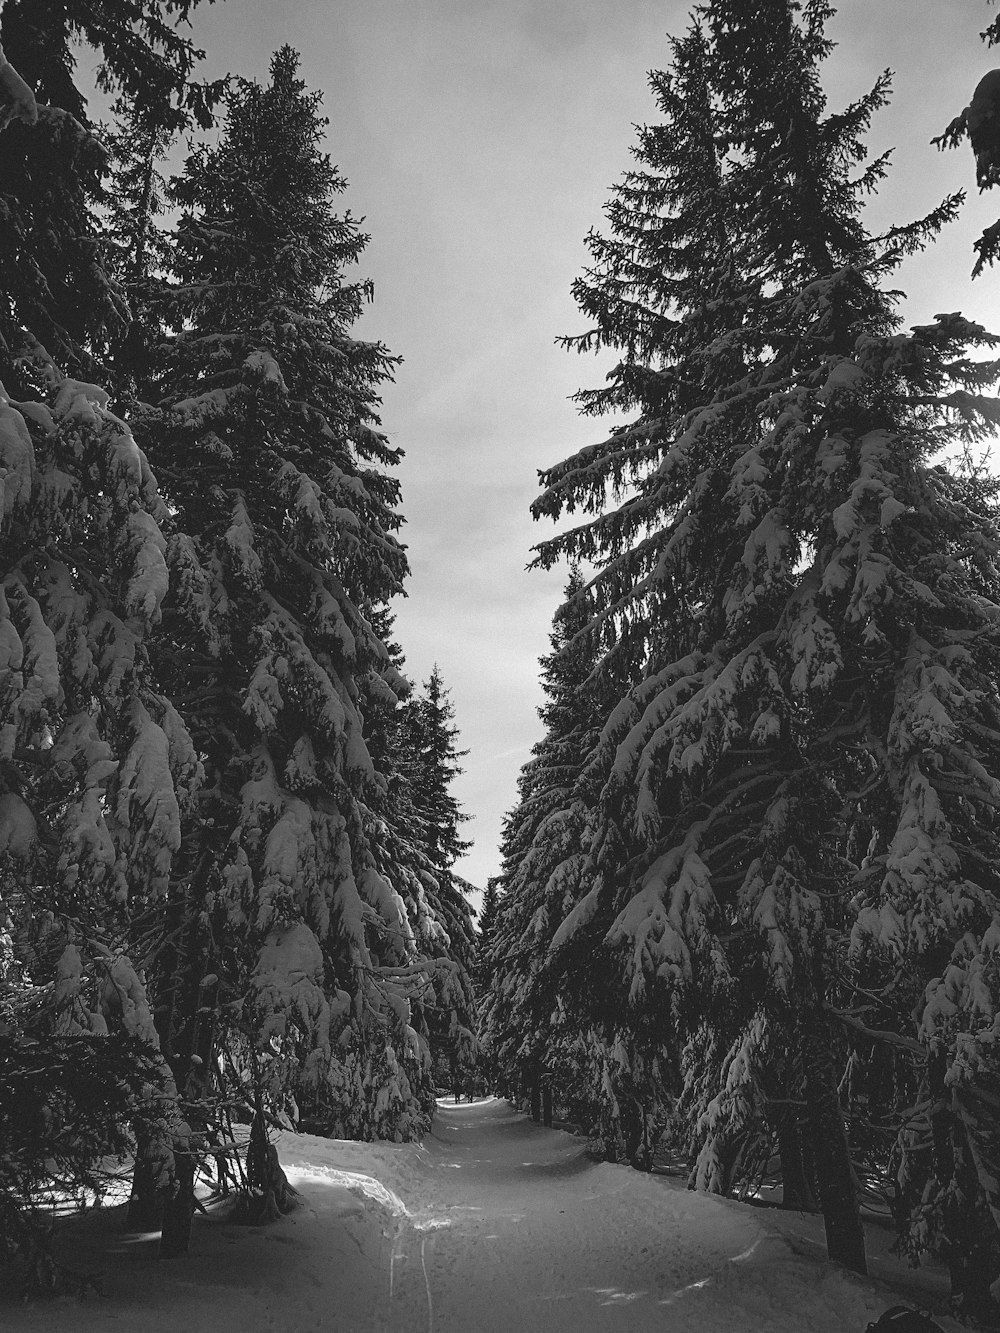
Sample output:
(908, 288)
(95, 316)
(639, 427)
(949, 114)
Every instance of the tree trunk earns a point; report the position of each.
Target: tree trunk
(547, 1105)
(536, 1101)
(268, 1195)
(145, 1205)
(184, 1019)
(194, 1065)
(845, 1237)
(796, 1191)
(808, 1164)
(970, 1237)
(970, 1285)
(178, 1208)
(633, 1125)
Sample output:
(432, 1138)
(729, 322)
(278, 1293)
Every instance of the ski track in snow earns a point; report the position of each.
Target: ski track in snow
(491, 1224)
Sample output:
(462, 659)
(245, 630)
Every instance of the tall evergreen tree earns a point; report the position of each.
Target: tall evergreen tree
(532, 1029)
(55, 284)
(413, 748)
(806, 581)
(435, 767)
(97, 766)
(288, 950)
(486, 927)
(432, 764)
(396, 827)
(980, 123)
(137, 251)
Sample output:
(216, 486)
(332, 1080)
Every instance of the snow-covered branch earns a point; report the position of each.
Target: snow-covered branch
(17, 101)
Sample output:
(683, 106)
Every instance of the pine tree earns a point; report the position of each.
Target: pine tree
(980, 123)
(787, 548)
(289, 954)
(395, 826)
(403, 740)
(431, 768)
(97, 767)
(435, 767)
(55, 283)
(489, 914)
(534, 1028)
(137, 254)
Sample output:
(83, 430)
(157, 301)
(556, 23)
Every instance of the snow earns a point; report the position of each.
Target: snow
(17, 826)
(240, 538)
(147, 804)
(17, 458)
(147, 585)
(491, 1224)
(670, 908)
(262, 366)
(287, 981)
(17, 99)
(124, 995)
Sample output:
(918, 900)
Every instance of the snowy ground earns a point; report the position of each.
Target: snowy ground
(492, 1224)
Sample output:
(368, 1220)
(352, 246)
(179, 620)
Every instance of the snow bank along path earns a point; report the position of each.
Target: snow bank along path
(492, 1224)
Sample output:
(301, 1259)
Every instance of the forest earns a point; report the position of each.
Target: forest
(747, 922)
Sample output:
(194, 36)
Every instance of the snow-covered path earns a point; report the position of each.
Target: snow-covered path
(518, 1229)
(491, 1225)
(513, 1227)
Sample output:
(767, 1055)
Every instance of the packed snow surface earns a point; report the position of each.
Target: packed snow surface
(492, 1223)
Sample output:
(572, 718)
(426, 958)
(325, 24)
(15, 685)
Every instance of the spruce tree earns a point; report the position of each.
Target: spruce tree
(787, 548)
(290, 953)
(534, 1029)
(55, 283)
(432, 764)
(485, 933)
(137, 254)
(413, 749)
(97, 766)
(435, 767)
(395, 826)
(980, 123)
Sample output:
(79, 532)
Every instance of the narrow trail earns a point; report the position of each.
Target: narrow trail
(513, 1227)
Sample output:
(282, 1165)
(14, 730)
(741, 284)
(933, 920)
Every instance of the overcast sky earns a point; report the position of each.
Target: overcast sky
(480, 139)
